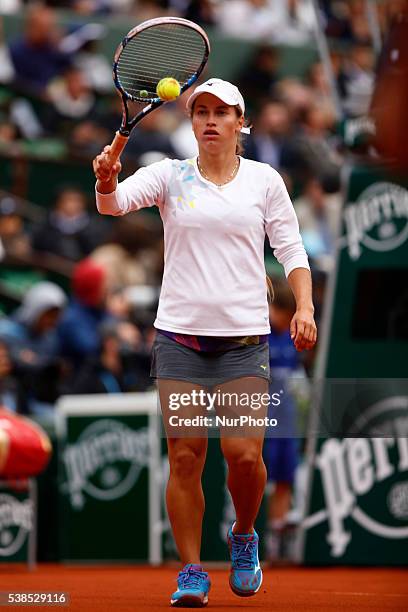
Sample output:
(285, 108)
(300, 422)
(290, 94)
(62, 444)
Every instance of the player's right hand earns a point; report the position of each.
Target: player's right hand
(102, 166)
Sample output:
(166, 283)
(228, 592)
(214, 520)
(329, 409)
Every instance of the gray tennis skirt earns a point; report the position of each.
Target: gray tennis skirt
(172, 360)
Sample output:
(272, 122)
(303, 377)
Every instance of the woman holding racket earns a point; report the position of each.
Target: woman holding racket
(212, 317)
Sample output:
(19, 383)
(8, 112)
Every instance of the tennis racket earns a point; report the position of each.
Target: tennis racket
(155, 49)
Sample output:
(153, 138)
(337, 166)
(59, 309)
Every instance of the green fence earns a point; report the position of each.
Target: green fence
(108, 464)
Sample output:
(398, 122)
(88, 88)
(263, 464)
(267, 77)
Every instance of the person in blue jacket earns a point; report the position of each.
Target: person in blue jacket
(281, 449)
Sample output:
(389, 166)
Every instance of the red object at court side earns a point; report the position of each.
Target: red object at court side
(25, 448)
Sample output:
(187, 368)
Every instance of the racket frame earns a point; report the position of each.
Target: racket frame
(128, 124)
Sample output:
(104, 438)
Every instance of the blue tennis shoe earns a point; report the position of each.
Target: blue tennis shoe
(193, 587)
(246, 574)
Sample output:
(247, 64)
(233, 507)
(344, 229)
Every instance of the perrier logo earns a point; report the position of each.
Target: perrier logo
(378, 219)
(350, 469)
(15, 523)
(105, 462)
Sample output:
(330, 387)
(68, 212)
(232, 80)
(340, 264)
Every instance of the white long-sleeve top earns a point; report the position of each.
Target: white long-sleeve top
(214, 269)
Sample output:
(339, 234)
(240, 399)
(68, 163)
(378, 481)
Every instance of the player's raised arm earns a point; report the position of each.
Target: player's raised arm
(156, 62)
(145, 188)
(106, 174)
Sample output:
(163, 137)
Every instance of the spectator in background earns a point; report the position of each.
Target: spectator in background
(122, 269)
(31, 335)
(296, 96)
(319, 292)
(35, 321)
(24, 116)
(132, 255)
(359, 26)
(36, 57)
(9, 136)
(356, 80)
(249, 19)
(336, 19)
(271, 130)
(278, 21)
(258, 79)
(7, 73)
(69, 231)
(14, 241)
(71, 101)
(88, 137)
(202, 12)
(316, 79)
(9, 7)
(150, 135)
(108, 118)
(95, 67)
(83, 43)
(121, 365)
(78, 329)
(8, 384)
(294, 22)
(318, 214)
(347, 19)
(281, 449)
(148, 9)
(312, 151)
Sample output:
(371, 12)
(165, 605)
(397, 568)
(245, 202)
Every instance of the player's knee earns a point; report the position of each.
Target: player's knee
(245, 463)
(186, 463)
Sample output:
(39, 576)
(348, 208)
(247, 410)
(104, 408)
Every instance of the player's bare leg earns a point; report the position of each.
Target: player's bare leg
(246, 479)
(242, 450)
(184, 494)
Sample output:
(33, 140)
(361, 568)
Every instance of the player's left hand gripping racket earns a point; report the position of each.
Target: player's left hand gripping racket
(155, 49)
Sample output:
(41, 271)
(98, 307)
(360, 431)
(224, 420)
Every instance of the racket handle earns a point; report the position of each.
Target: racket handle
(117, 146)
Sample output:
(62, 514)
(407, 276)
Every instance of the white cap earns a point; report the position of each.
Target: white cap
(38, 299)
(225, 91)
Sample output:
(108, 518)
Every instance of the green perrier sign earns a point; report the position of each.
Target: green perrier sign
(107, 458)
(357, 509)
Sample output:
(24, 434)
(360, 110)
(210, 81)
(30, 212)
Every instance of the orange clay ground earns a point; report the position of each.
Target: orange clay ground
(130, 589)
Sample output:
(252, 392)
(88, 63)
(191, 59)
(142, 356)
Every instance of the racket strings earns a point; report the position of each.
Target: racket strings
(169, 50)
(150, 63)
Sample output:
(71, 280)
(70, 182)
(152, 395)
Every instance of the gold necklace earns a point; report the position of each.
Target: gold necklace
(231, 176)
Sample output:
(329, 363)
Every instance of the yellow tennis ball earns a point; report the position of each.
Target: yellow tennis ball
(168, 89)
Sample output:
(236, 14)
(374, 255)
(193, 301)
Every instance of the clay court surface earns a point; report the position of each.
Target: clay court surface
(125, 588)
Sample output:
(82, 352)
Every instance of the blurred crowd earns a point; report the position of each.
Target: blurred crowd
(56, 84)
(93, 341)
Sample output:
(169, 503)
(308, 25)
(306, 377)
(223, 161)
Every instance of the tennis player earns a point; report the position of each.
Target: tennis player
(212, 318)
